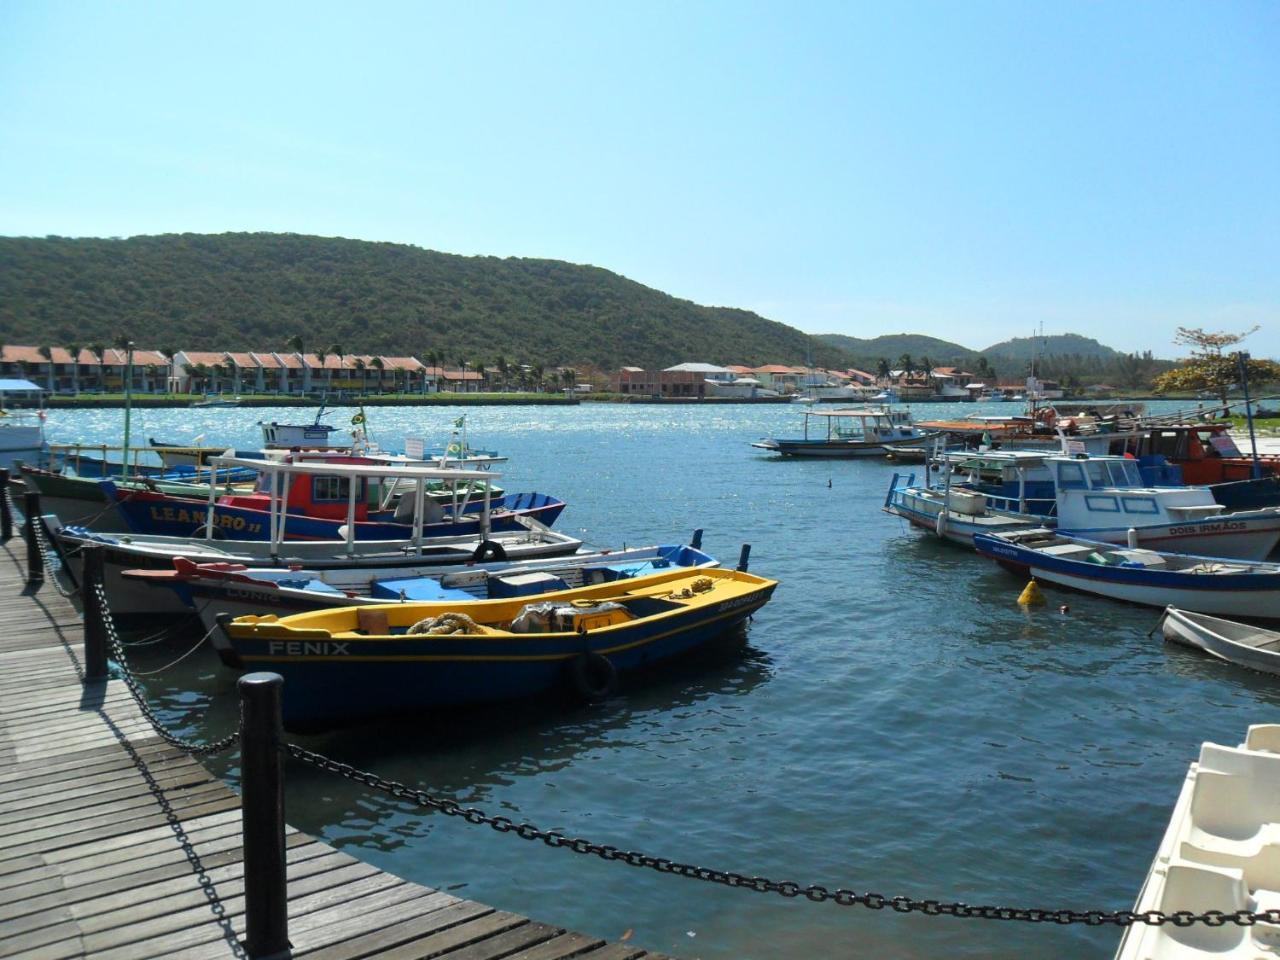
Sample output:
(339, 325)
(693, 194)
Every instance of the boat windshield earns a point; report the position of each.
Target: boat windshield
(1113, 473)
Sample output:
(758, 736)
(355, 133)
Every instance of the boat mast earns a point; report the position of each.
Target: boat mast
(1242, 359)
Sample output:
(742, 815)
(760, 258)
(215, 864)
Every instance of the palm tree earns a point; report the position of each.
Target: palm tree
(380, 365)
(537, 376)
(198, 373)
(503, 369)
(47, 353)
(883, 370)
(926, 367)
(480, 369)
(907, 364)
(99, 351)
(73, 350)
(359, 364)
(334, 350)
(569, 377)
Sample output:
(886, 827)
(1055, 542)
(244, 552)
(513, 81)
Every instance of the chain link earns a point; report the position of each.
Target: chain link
(116, 649)
(47, 553)
(785, 888)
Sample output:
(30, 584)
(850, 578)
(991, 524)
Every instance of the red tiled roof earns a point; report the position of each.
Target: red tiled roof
(208, 357)
(242, 359)
(290, 361)
(403, 363)
(267, 361)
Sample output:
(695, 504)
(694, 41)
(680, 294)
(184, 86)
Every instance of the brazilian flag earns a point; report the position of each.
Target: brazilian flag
(358, 419)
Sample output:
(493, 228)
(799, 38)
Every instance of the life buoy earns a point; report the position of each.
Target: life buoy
(593, 677)
(489, 550)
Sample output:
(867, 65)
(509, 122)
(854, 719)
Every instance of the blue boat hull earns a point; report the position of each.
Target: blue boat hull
(326, 686)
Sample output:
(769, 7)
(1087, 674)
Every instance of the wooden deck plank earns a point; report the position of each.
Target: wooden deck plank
(114, 844)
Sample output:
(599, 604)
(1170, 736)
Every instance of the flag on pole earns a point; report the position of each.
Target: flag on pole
(459, 422)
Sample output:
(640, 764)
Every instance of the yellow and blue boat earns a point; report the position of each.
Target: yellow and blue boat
(360, 662)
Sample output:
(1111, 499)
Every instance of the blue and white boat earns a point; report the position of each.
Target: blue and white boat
(955, 513)
(1149, 577)
(216, 589)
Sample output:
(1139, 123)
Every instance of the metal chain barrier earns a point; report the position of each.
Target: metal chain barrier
(116, 649)
(785, 888)
(47, 553)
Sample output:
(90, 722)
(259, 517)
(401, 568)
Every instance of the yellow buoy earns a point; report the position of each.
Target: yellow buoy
(1031, 595)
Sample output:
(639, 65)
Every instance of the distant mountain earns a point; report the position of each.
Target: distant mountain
(891, 346)
(1007, 353)
(242, 291)
(1060, 345)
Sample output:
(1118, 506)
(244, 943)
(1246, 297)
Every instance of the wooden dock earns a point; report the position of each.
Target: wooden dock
(114, 844)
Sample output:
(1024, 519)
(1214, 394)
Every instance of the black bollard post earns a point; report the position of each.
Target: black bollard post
(744, 557)
(696, 542)
(95, 629)
(6, 517)
(262, 813)
(35, 566)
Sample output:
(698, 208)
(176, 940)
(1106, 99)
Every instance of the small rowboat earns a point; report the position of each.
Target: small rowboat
(355, 662)
(1240, 643)
(1205, 584)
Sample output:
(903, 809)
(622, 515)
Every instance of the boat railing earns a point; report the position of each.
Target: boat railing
(895, 490)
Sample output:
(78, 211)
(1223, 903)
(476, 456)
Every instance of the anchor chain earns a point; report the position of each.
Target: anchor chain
(785, 888)
(47, 553)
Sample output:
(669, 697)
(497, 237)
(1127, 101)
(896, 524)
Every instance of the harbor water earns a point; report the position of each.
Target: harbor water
(896, 722)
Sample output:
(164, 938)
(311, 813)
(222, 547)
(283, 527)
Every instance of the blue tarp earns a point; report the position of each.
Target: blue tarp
(18, 386)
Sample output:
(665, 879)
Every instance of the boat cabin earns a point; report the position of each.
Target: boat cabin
(1110, 492)
(870, 424)
(1205, 452)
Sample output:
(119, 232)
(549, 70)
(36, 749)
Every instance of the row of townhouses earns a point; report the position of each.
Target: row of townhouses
(195, 371)
(709, 380)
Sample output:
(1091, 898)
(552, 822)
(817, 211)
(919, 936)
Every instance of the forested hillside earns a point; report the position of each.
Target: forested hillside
(243, 291)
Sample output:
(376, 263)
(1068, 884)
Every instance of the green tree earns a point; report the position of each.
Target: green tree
(907, 364)
(883, 369)
(47, 353)
(360, 365)
(99, 351)
(73, 351)
(380, 365)
(1210, 367)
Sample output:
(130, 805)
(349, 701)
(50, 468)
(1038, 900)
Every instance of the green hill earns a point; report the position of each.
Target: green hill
(1061, 345)
(893, 345)
(255, 291)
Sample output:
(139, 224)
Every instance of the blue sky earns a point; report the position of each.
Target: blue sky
(965, 170)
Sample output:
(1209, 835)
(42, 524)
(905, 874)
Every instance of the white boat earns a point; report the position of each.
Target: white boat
(1241, 643)
(1148, 577)
(1105, 498)
(21, 431)
(215, 590)
(1218, 853)
(529, 538)
(955, 513)
(853, 432)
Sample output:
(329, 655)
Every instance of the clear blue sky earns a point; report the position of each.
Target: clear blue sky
(962, 169)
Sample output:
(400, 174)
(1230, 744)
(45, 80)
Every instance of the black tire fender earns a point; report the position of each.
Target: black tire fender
(593, 677)
(489, 550)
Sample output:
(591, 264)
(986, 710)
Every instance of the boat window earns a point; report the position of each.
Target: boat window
(1102, 504)
(329, 488)
(1071, 476)
(1125, 473)
(1140, 505)
(1098, 475)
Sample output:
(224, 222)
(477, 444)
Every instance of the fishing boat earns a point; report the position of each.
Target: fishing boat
(323, 498)
(953, 513)
(1218, 853)
(1240, 643)
(213, 589)
(217, 400)
(1207, 454)
(1148, 577)
(356, 662)
(853, 432)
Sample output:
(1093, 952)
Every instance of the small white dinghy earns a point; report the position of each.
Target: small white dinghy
(1240, 643)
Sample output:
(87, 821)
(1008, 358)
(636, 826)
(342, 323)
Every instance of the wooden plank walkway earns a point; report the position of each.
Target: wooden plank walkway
(114, 844)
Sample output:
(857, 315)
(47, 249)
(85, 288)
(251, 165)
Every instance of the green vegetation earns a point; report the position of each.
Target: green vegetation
(261, 291)
(1211, 368)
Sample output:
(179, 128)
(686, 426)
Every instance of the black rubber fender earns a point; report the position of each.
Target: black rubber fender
(489, 550)
(593, 677)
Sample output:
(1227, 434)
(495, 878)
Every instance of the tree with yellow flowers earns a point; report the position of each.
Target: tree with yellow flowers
(1210, 366)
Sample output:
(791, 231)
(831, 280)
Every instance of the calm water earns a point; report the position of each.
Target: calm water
(897, 723)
